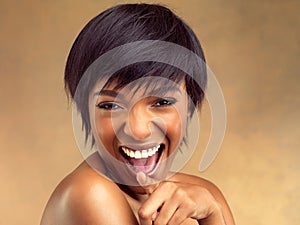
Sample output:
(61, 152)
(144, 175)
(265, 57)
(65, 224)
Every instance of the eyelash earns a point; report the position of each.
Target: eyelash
(158, 103)
(164, 102)
(108, 106)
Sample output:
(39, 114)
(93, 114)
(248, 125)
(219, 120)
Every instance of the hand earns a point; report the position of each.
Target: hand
(173, 203)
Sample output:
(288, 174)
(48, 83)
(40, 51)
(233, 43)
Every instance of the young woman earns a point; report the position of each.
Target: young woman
(136, 115)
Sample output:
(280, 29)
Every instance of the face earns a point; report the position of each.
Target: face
(140, 127)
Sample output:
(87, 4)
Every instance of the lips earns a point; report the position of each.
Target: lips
(142, 160)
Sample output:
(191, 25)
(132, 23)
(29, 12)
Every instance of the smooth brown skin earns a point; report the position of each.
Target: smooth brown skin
(87, 197)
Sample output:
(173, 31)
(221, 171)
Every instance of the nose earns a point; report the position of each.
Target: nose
(138, 122)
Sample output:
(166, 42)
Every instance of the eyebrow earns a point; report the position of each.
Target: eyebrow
(162, 90)
(110, 93)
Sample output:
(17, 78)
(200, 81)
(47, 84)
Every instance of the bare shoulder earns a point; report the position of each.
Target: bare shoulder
(211, 188)
(86, 197)
(191, 179)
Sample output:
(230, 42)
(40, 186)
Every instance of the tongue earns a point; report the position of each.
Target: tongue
(143, 163)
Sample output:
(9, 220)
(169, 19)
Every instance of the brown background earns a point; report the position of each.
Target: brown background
(252, 46)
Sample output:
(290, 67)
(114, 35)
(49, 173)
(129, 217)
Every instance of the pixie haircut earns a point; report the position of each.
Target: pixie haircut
(127, 23)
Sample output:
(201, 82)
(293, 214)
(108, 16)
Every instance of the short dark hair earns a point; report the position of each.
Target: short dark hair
(128, 23)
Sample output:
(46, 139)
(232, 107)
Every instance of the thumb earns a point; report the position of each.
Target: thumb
(149, 184)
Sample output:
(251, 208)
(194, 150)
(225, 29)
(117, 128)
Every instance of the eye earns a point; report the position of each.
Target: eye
(108, 106)
(162, 102)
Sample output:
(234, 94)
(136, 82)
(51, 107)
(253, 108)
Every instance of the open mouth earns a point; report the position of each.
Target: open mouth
(145, 160)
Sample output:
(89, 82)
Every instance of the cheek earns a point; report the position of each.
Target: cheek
(104, 131)
(176, 127)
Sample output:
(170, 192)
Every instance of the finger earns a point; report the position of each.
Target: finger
(145, 221)
(157, 200)
(167, 211)
(147, 217)
(147, 214)
(179, 216)
(149, 210)
(149, 184)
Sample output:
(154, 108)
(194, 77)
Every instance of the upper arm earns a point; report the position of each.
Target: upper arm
(77, 202)
(219, 197)
(215, 191)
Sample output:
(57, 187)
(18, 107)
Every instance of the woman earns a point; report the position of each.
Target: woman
(136, 115)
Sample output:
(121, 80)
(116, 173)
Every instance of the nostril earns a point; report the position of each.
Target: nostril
(138, 129)
(138, 121)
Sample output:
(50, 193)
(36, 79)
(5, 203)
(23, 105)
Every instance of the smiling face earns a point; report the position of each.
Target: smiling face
(139, 125)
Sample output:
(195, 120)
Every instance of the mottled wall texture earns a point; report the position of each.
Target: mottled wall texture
(253, 47)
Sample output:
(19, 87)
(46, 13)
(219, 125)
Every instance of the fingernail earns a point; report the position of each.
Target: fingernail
(154, 216)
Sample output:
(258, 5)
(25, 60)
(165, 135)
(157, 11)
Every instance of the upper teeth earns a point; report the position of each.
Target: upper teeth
(139, 154)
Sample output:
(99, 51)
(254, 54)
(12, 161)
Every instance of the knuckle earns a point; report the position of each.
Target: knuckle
(206, 194)
(179, 193)
(143, 213)
(169, 185)
(190, 207)
(217, 207)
